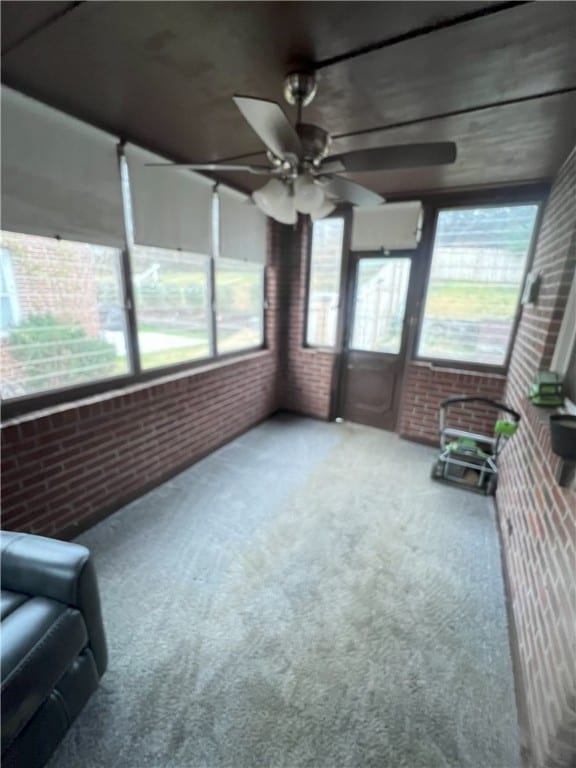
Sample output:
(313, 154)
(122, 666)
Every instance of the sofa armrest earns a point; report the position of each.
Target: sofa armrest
(58, 570)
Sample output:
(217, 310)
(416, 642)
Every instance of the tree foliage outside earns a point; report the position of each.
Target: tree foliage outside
(58, 353)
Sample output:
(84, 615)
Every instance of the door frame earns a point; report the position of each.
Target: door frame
(348, 289)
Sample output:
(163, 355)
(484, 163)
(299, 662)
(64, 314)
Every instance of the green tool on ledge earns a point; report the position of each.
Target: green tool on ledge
(546, 389)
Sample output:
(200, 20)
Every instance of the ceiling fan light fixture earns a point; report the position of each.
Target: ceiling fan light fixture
(274, 199)
(325, 209)
(286, 213)
(308, 196)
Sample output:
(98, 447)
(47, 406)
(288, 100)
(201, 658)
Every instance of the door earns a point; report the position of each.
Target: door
(375, 339)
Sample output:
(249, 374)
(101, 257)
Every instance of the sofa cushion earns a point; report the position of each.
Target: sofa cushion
(9, 601)
(40, 638)
(36, 742)
(58, 570)
(40, 737)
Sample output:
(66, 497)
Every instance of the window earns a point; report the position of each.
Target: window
(324, 289)
(478, 263)
(66, 327)
(9, 306)
(63, 318)
(239, 305)
(171, 292)
(379, 305)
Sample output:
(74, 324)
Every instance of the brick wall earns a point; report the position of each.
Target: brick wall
(306, 373)
(56, 278)
(537, 516)
(424, 388)
(64, 468)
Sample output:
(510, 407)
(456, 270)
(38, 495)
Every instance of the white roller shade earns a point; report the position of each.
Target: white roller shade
(242, 227)
(393, 226)
(171, 206)
(59, 176)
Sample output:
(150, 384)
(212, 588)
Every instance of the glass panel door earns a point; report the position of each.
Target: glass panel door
(374, 352)
(380, 304)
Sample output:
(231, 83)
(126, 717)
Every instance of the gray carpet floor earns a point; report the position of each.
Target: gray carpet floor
(305, 597)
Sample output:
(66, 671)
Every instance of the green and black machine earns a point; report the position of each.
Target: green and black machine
(469, 459)
(546, 389)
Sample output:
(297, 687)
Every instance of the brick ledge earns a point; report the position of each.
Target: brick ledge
(456, 371)
(123, 391)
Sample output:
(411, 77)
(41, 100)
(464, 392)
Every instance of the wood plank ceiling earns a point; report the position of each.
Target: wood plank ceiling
(162, 74)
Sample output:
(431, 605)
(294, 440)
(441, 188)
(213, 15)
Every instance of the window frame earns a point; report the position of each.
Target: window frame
(209, 302)
(20, 406)
(432, 208)
(214, 311)
(358, 256)
(345, 215)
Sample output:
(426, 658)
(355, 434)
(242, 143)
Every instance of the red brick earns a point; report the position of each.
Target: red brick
(537, 556)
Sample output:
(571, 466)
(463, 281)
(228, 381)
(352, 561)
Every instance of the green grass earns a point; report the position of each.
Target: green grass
(172, 356)
(168, 331)
(471, 301)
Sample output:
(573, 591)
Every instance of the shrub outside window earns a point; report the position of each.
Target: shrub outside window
(63, 321)
(478, 263)
(324, 288)
(172, 297)
(239, 305)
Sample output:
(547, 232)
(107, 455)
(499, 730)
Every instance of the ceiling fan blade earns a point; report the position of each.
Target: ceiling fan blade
(393, 157)
(258, 170)
(269, 121)
(344, 189)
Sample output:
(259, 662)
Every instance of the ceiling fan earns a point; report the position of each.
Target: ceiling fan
(305, 177)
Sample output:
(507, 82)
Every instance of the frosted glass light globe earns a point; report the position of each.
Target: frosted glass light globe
(308, 196)
(325, 210)
(274, 199)
(268, 197)
(286, 212)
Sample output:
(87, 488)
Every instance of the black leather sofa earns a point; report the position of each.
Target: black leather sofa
(53, 643)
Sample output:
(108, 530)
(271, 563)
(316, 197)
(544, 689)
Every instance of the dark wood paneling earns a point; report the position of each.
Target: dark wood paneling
(523, 142)
(22, 19)
(509, 145)
(162, 75)
(522, 51)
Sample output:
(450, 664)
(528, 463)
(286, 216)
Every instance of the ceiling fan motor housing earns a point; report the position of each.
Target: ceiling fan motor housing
(316, 142)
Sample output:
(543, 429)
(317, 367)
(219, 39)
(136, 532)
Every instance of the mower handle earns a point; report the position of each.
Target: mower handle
(485, 400)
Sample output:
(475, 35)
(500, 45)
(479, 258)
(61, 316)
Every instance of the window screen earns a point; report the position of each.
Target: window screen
(239, 305)
(478, 263)
(63, 320)
(324, 289)
(172, 306)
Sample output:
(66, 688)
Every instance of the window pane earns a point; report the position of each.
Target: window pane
(381, 289)
(477, 267)
(324, 292)
(63, 321)
(239, 305)
(171, 294)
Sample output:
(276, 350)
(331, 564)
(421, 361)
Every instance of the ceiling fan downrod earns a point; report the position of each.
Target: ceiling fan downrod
(300, 88)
